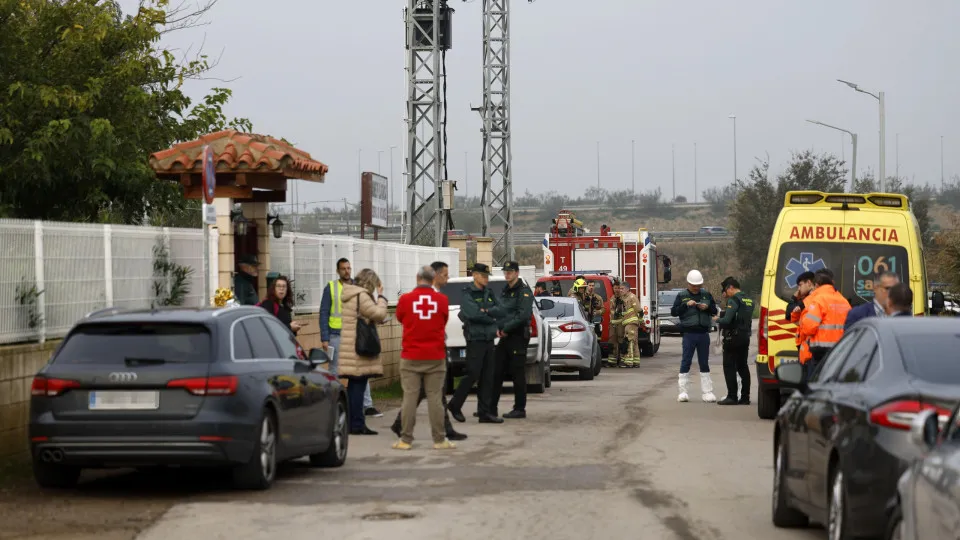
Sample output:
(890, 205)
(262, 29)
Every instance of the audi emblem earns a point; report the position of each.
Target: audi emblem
(122, 377)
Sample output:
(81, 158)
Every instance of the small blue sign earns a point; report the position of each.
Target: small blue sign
(805, 264)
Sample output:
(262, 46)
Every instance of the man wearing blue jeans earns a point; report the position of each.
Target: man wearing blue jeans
(695, 308)
(331, 324)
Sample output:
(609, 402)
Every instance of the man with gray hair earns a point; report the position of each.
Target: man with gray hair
(877, 308)
(423, 313)
(441, 277)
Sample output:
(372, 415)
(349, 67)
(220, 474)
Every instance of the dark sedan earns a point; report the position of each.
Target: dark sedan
(842, 440)
(929, 503)
(190, 387)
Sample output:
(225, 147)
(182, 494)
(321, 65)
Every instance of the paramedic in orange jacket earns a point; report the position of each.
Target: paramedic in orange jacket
(805, 286)
(821, 322)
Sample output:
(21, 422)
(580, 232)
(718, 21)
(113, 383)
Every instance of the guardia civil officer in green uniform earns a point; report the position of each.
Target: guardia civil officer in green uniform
(479, 311)
(735, 330)
(516, 301)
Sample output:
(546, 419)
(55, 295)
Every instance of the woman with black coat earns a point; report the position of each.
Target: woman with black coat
(279, 302)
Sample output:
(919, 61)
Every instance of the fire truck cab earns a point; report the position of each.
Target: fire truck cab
(630, 256)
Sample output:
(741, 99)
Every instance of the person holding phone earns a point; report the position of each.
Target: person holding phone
(695, 308)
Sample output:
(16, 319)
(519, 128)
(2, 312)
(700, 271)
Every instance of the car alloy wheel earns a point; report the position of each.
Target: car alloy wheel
(777, 477)
(268, 448)
(835, 517)
(340, 432)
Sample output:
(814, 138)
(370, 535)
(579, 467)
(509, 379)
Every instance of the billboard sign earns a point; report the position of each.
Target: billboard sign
(374, 203)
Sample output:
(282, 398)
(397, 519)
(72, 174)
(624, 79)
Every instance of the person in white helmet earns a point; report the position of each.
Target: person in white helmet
(695, 308)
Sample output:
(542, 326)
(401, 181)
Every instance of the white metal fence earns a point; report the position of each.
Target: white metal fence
(311, 261)
(52, 274)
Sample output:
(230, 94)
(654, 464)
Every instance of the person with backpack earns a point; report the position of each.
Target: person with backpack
(279, 302)
(736, 326)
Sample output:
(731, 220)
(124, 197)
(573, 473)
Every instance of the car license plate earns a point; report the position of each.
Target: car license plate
(463, 353)
(124, 401)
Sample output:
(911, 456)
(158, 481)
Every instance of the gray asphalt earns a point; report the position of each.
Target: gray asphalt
(616, 457)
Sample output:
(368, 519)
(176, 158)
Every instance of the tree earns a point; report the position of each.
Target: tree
(759, 200)
(86, 94)
(720, 198)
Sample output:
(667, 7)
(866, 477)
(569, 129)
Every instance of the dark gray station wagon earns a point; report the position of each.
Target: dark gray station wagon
(226, 387)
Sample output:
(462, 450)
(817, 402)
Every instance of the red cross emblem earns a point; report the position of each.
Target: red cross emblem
(425, 307)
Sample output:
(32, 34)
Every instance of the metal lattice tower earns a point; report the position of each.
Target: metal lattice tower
(424, 175)
(497, 195)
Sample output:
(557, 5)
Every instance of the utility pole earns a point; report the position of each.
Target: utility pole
(633, 167)
(695, 172)
(427, 24)
(673, 154)
(466, 175)
(734, 117)
(943, 183)
(497, 198)
(598, 165)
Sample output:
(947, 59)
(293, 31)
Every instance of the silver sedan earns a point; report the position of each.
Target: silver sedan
(576, 347)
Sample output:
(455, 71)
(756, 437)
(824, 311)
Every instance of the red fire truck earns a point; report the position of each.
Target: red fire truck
(631, 257)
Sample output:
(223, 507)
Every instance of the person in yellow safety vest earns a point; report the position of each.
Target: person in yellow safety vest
(618, 333)
(331, 324)
(631, 325)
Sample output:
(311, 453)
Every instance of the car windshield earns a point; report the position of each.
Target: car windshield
(122, 343)
(930, 356)
(667, 298)
(855, 266)
(561, 287)
(560, 310)
(454, 291)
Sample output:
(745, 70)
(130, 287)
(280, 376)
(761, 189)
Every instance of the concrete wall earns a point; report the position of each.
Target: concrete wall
(19, 363)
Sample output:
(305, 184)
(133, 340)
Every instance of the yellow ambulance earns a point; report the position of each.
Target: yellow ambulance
(858, 237)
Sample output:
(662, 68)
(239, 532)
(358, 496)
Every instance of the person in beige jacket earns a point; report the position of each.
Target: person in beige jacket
(363, 299)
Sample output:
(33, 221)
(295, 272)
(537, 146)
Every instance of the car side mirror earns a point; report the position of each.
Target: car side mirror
(546, 304)
(938, 303)
(318, 357)
(791, 375)
(925, 429)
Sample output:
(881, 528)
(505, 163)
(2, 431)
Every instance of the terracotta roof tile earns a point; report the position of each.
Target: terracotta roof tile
(237, 152)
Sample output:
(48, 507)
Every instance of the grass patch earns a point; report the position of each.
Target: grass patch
(393, 391)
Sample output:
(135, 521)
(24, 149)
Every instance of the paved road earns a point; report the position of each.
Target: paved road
(601, 459)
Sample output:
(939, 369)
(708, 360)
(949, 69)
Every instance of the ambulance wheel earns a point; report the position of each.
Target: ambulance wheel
(768, 403)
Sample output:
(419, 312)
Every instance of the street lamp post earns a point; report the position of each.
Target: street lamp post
(695, 172)
(734, 117)
(392, 201)
(943, 182)
(598, 165)
(673, 161)
(379, 156)
(853, 137)
(883, 128)
(633, 165)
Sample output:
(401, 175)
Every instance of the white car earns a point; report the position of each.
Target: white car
(538, 350)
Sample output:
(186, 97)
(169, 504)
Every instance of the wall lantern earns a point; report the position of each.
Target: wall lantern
(276, 224)
(240, 223)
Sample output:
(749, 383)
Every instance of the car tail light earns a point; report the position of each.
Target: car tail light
(762, 332)
(572, 327)
(43, 386)
(900, 414)
(207, 386)
(533, 326)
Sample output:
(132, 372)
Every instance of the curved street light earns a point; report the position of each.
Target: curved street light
(853, 169)
(883, 128)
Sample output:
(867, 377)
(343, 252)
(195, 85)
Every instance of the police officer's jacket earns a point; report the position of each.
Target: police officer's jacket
(737, 321)
(517, 305)
(693, 320)
(479, 326)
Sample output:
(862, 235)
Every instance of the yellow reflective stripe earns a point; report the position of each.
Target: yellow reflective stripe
(813, 317)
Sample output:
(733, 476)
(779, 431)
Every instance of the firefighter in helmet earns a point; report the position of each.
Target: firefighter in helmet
(617, 329)
(591, 302)
(631, 324)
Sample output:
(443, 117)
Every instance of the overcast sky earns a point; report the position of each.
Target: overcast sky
(329, 76)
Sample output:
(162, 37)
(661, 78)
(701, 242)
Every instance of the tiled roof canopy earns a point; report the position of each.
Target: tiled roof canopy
(238, 153)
